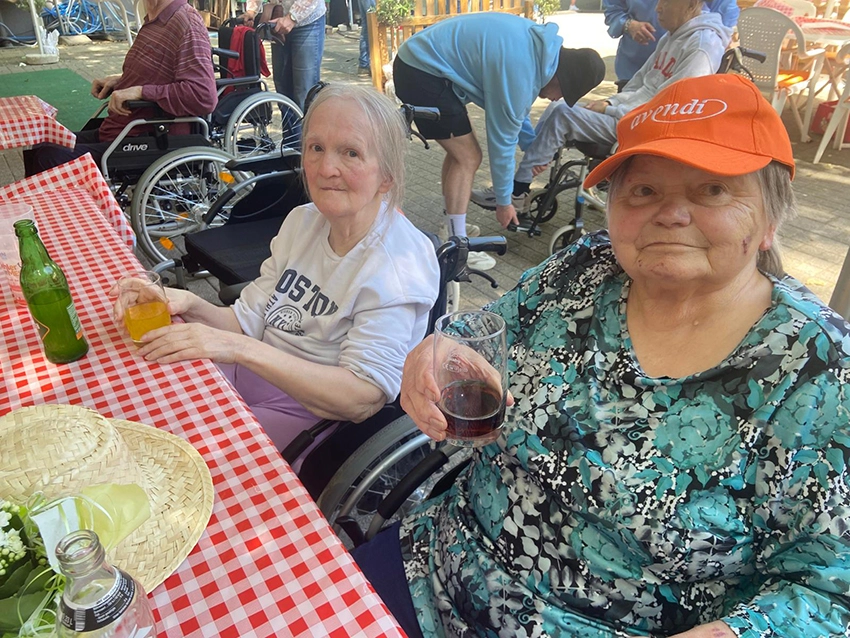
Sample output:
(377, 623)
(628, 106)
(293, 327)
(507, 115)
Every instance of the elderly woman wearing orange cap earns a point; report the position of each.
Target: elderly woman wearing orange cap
(675, 459)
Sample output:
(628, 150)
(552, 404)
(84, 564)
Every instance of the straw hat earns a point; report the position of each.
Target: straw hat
(60, 449)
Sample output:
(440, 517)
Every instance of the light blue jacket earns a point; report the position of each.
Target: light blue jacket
(498, 61)
(630, 54)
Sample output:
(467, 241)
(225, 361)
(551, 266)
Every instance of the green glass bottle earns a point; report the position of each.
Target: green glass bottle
(49, 299)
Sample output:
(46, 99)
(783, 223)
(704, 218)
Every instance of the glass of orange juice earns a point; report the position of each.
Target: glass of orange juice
(143, 303)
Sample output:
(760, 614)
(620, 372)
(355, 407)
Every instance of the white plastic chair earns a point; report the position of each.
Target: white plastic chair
(766, 30)
(838, 122)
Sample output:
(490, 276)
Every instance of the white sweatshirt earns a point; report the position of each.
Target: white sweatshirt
(692, 50)
(364, 311)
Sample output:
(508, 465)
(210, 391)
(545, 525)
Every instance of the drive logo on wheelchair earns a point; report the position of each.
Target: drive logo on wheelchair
(674, 113)
(127, 148)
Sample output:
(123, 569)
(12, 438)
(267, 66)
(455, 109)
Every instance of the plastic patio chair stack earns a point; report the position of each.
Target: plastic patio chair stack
(838, 122)
(766, 30)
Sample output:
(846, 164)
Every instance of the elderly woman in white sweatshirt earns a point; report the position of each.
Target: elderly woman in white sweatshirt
(324, 331)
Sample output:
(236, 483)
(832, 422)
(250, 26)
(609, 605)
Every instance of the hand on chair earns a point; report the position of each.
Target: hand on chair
(247, 18)
(506, 215)
(283, 25)
(119, 97)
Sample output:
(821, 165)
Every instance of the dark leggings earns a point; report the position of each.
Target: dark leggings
(44, 156)
(380, 559)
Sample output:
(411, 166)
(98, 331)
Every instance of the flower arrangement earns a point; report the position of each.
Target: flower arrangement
(29, 588)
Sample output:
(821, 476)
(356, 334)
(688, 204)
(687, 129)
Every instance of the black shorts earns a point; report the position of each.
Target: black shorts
(418, 88)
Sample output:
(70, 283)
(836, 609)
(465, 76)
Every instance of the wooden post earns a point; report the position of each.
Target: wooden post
(377, 49)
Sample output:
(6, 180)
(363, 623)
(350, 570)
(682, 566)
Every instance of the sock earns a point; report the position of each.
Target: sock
(456, 225)
(521, 188)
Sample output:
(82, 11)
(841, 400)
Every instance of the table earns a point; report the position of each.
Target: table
(26, 120)
(268, 563)
(827, 33)
(81, 173)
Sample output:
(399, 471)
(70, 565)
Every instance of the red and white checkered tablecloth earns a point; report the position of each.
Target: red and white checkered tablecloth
(26, 120)
(268, 563)
(79, 173)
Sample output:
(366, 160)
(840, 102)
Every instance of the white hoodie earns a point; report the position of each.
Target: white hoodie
(692, 50)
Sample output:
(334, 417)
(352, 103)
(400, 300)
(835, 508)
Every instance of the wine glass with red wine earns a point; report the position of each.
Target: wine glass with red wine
(471, 369)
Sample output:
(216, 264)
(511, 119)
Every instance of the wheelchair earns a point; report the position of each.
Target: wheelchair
(166, 181)
(563, 176)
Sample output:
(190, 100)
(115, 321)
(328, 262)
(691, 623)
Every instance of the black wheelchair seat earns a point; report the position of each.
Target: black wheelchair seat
(234, 251)
(228, 104)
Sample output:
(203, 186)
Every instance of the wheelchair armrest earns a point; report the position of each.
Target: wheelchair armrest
(225, 53)
(229, 294)
(140, 104)
(304, 440)
(251, 79)
(495, 244)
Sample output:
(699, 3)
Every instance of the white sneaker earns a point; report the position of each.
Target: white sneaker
(486, 198)
(480, 261)
(471, 231)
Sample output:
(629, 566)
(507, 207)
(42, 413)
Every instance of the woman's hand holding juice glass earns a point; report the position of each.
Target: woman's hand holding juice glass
(141, 303)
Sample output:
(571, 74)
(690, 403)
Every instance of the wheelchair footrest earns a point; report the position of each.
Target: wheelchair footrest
(526, 225)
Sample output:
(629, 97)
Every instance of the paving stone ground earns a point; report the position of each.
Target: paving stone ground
(814, 244)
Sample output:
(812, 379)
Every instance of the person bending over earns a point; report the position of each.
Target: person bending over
(693, 46)
(170, 63)
(675, 459)
(502, 63)
(323, 332)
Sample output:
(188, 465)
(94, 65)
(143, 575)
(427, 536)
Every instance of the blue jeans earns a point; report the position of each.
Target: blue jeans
(364, 6)
(296, 64)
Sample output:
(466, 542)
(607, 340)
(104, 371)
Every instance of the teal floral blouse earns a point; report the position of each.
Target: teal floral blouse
(617, 504)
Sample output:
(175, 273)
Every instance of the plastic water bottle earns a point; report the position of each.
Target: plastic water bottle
(99, 600)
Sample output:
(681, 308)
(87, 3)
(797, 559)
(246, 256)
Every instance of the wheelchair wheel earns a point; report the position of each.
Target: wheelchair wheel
(263, 123)
(535, 205)
(174, 194)
(373, 470)
(563, 237)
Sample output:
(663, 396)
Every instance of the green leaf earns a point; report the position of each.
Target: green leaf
(17, 577)
(15, 611)
(39, 579)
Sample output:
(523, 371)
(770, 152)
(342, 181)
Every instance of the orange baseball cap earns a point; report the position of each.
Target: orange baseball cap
(718, 123)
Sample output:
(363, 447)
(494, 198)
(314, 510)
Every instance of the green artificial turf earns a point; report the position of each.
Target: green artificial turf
(61, 88)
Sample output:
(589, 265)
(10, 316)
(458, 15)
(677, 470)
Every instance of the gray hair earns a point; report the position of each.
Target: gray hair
(387, 131)
(780, 206)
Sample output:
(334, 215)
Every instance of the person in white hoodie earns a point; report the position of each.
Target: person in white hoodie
(693, 46)
(323, 332)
